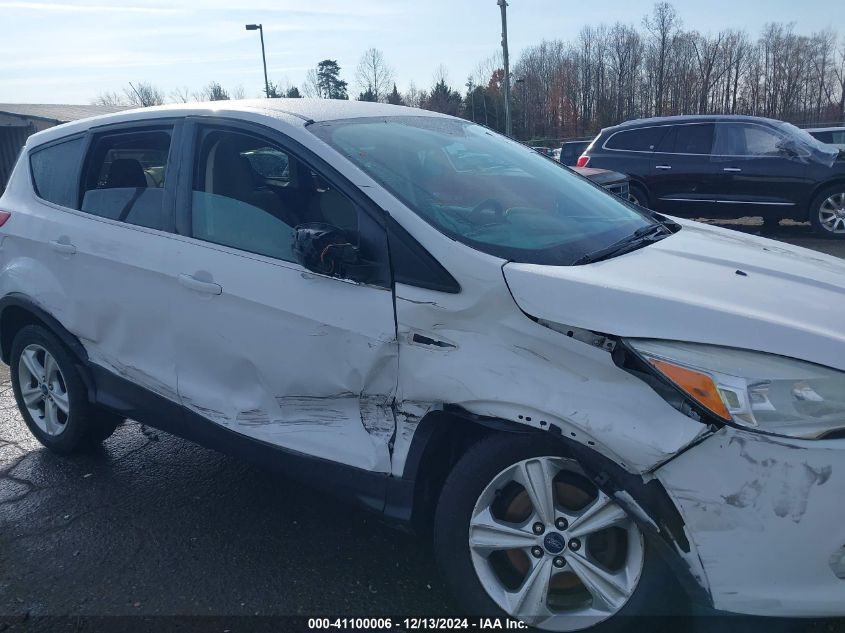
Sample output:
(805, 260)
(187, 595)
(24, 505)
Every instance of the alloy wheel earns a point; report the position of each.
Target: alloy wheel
(43, 389)
(551, 549)
(832, 213)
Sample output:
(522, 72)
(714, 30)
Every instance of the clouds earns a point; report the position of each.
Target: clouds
(72, 7)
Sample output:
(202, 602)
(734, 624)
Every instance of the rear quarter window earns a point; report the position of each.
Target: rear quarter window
(639, 140)
(55, 171)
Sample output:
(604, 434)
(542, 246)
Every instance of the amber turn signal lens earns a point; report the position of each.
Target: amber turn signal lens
(699, 386)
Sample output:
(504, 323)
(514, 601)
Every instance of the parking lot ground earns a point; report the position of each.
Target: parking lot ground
(154, 525)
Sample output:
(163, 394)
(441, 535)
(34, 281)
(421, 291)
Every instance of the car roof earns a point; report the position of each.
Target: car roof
(690, 118)
(835, 128)
(307, 110)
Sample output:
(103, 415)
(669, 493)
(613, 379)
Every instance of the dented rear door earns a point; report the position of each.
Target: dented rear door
(264, 347)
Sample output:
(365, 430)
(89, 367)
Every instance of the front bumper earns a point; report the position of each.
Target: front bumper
(766, 517)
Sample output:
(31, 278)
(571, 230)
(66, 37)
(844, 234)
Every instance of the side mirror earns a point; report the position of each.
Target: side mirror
(325, 249)
(788, 148)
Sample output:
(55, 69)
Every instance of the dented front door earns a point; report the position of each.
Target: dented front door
(264, 347)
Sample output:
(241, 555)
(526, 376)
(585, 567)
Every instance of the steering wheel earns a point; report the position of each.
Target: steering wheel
(491, 204)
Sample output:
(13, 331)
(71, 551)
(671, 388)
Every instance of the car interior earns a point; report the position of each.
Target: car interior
(251, 195)
(125, 180)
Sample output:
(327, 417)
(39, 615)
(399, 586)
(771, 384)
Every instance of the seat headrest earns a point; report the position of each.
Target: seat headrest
(233, 175)
(126, 172)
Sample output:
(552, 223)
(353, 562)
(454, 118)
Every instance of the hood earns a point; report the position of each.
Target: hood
(703, 285)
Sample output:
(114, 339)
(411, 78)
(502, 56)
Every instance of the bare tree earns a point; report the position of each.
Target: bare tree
(663, 24)
(374, 75)
(110, 99)
(414, 97)
(180, 95)
(839, 75)
(141, 95)
(310, 88)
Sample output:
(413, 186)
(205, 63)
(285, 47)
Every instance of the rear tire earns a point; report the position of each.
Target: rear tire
(481, 576)
(827, 212)
(51, 394)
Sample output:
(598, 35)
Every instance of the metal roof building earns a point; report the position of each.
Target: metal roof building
(19, 120)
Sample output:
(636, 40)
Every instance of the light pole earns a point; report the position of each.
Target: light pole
(508, 127)
(260, 29)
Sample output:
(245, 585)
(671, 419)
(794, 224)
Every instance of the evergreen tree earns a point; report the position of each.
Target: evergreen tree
(394, 97)
(329, 83)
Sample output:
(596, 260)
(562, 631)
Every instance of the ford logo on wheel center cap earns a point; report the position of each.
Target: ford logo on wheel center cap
(554, 543)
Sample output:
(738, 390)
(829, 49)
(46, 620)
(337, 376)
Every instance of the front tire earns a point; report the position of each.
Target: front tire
(521, 531)
(51, 394)
(827, 212)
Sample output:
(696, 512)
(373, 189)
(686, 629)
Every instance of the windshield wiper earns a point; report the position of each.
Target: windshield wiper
(641, 237)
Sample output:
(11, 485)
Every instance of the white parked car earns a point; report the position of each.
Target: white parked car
(587, 401)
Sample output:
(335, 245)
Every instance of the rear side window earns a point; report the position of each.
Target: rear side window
(696, 138)
(124, 178)
(55, 171)
(640, 140)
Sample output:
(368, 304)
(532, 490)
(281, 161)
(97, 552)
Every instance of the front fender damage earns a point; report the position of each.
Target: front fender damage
(646, 501)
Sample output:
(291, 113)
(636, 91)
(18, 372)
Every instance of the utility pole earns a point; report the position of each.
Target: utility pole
(504, 7)
(138, 94)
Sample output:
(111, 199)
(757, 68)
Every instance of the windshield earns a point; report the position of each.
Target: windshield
(485, 190)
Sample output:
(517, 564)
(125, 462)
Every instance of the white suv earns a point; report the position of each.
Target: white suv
(582, 398)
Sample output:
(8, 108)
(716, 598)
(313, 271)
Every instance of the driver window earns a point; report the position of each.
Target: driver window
(741, 139)
(250, 194)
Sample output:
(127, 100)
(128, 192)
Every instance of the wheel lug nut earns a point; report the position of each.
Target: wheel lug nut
(574, 544)
(537, 552)
(539, 528)
(559, 561)
(561, 523)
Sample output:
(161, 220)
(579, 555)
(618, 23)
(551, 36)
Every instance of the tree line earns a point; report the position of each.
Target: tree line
(606, 75)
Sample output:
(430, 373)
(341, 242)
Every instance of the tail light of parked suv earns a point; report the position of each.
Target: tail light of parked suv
(583, 160)
(4, 215)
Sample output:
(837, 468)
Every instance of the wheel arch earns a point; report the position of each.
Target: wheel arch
(17, 310)
(637, 181)
(443, 437)
(837, 180)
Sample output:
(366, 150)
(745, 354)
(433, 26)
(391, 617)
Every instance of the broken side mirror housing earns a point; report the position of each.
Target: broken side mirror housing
(325, 249)
(789, 148)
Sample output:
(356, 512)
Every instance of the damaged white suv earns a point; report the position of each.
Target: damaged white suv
(581, 398)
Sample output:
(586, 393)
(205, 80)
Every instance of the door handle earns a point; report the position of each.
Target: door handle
(208, 287)
(65, 248)
(732, 169)
(663, 167)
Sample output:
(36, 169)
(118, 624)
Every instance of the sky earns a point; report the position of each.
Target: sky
(70, 51)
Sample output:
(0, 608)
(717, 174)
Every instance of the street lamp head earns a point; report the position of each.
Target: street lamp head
(253, 27)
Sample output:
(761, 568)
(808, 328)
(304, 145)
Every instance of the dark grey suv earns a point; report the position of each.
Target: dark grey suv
(727, 166)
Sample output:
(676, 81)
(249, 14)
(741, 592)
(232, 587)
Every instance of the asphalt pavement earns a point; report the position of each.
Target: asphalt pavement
(154, 525)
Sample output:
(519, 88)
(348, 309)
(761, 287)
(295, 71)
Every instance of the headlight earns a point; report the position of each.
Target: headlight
(752, 389)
